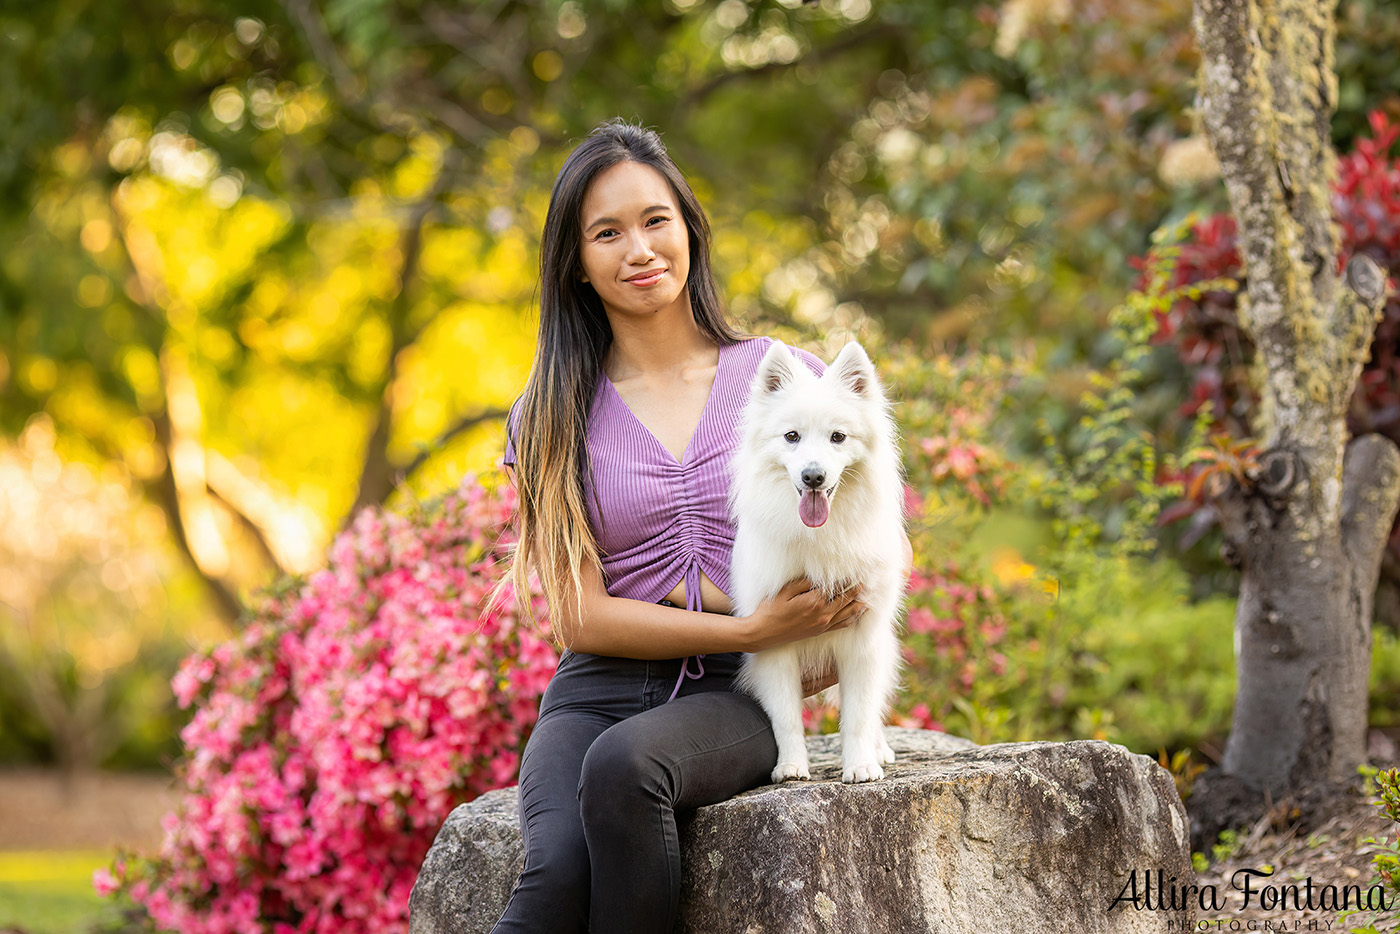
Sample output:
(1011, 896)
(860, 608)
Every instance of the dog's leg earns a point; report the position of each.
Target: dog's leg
(867, 672)
(774, 677)
(886, 753)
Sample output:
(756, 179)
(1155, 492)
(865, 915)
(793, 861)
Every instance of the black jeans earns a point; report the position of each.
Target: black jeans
(607, 766)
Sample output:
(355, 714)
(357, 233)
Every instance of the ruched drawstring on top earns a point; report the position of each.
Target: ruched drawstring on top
(692, 603)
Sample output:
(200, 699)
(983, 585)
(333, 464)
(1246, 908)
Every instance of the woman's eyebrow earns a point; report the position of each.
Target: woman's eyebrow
(613, 220)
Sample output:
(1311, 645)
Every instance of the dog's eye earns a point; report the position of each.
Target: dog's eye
(792, 437)
(837, 437)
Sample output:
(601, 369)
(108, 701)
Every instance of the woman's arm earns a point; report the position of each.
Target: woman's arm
(608, 625)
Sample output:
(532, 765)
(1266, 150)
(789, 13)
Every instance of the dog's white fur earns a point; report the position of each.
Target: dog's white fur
(861, 541)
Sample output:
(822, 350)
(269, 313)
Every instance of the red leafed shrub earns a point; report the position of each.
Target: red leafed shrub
(1205, 333)
(331, 738)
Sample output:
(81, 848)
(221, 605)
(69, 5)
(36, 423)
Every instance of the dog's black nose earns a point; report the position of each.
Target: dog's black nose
(813, 477)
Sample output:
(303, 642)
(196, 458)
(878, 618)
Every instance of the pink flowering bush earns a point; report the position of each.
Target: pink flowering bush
(332, 737)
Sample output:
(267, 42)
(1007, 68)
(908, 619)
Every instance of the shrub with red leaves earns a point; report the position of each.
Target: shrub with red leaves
(1217, 353)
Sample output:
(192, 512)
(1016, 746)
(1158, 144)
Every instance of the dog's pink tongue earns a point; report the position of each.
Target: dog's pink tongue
(813, 508)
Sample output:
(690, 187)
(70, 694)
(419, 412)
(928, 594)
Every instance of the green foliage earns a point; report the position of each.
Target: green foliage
(1384, 704)
(1083, 638)
(1386, 785)
(52, 712)
(1105, 490)
(1368, 54)
(1121, 656)
(1226, 845)
(89, 607)
(1160, 664)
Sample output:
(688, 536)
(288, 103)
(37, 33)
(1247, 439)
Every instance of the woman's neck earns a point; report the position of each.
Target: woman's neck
(656, 345)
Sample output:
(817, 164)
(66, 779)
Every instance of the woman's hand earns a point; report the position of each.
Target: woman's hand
(800, 611)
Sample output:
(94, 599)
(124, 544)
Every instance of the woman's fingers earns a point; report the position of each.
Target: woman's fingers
(797, 585)
(848, 615)
(849, 606)
(816, 612)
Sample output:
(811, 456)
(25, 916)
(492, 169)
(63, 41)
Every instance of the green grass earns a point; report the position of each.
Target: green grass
(51, 893)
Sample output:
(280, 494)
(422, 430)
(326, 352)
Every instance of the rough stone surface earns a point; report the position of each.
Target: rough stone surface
(957, 837)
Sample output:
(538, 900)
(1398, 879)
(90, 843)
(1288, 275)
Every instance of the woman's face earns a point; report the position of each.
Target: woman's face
(635, 248)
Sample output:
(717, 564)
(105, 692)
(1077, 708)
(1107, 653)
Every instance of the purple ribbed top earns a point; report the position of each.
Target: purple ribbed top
(658, 521)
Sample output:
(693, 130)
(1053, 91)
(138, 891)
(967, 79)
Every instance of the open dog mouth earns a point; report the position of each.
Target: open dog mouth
(814, 506)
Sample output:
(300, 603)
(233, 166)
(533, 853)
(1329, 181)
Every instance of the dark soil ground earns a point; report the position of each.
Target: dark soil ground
(1335, 852)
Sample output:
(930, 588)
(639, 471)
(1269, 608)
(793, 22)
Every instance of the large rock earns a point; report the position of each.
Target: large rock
(956, 838)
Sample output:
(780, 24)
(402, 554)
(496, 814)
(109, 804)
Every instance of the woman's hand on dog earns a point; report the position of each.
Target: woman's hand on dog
(799, 611)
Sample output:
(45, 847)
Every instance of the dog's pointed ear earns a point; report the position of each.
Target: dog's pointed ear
(775, 370)
(854, 371)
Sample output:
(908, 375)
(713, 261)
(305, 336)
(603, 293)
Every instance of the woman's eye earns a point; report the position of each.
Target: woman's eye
(792, 437)
(610, 233)
(837, 437)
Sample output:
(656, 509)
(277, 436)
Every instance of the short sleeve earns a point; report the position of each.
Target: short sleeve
(512, 424)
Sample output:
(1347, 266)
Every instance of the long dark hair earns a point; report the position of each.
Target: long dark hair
(549, 438)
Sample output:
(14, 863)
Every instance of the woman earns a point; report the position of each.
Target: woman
(620, 444)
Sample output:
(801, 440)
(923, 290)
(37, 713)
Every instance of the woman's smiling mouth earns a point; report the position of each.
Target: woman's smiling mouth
(644, 279)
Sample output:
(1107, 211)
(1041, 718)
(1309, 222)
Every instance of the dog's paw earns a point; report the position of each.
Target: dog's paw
(786, 771)
(865, 772)
(886, 753)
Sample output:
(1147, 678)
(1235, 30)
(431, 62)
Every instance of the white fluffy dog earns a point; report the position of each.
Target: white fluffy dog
(818, 492)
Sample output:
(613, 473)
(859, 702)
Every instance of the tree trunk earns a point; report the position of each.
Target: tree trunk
(1308, 526)
(377, 472)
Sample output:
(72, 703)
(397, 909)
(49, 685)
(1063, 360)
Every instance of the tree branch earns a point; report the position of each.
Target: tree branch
(813, 56)
(359, 99)
(259, 509)
(1370, 497)
(496, 48)
(1360, 308)
(164, 492)
(252, 528)
(376, 480)
(469, 421)
(323, 49)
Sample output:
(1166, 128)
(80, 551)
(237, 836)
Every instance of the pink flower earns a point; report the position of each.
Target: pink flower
(331, 738)
(104, 883)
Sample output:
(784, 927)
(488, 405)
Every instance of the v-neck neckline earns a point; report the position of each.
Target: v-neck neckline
(685, 454)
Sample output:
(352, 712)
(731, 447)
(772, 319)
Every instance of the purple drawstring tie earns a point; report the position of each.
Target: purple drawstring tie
(686, 673)
(692, 602)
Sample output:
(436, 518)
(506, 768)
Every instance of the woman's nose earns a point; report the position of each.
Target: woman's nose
(639, 248)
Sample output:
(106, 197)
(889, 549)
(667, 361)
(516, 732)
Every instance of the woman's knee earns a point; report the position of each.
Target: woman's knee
(621, 764)
(563, 869)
